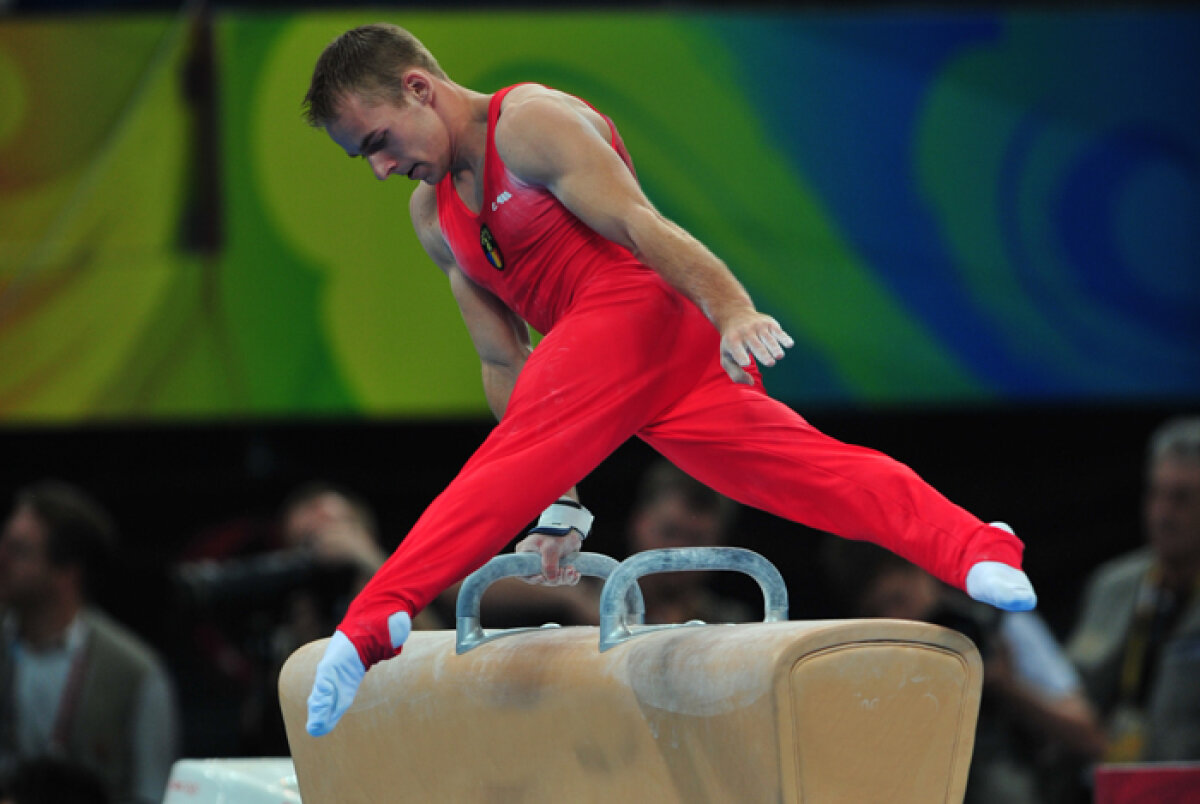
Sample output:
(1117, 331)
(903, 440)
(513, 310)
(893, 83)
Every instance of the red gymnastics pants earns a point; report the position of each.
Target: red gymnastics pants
(633, 357)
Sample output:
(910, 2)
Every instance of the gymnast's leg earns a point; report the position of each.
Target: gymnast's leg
(758, 451)
(560, 423)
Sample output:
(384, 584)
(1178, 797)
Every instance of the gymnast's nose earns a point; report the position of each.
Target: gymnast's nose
(381, 164)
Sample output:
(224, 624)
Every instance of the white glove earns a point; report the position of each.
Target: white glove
(339, 673)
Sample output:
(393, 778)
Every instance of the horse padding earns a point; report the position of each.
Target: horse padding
(855, 711)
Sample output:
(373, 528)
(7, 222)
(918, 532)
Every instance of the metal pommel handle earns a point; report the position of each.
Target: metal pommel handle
(469, 631)
(614, 624)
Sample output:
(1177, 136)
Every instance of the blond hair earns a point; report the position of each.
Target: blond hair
(368, 61)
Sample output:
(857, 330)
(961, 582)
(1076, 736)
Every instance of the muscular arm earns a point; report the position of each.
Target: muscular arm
(500, 337)
(550, 140)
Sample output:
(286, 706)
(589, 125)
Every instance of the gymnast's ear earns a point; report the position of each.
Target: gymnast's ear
(418, 85)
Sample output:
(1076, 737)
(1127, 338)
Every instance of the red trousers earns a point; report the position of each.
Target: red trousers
(634, 357)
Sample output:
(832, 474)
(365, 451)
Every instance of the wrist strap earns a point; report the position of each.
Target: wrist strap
(562, 516)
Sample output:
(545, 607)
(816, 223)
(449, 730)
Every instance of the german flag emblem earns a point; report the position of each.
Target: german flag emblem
(490, 249)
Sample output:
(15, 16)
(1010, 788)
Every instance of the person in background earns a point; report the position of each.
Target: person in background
(74, 683)
(259, 588)
(1137, 640)
(339, 530)
(675, 510)
(1034, 717)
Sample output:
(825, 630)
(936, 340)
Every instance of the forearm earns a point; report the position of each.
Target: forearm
(1073, 723)
(688, 266)
(1068, 721)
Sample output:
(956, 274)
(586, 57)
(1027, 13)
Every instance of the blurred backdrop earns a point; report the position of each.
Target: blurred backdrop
(982, 226)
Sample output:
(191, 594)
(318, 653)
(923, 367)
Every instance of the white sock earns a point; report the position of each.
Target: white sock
(1000, 585)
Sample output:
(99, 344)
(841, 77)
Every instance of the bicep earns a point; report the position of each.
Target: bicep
(555, 146)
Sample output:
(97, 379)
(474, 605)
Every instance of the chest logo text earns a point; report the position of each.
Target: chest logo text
(500, 199)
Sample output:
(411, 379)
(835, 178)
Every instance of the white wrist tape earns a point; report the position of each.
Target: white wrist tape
(562, 516)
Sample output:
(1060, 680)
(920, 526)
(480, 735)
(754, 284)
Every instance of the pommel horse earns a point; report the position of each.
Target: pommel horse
(855, 711)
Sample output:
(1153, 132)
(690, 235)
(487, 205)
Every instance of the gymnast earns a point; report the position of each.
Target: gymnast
(528, 201)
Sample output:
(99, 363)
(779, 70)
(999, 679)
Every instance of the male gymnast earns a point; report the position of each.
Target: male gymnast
(528, 201)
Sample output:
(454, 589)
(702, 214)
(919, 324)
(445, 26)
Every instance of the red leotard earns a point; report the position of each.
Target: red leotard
(625, 354)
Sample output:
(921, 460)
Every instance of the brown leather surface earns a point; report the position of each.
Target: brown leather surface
(827, 711)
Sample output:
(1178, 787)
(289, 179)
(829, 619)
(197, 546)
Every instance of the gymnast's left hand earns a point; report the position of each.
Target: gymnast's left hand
(750, 335)
(340, 672)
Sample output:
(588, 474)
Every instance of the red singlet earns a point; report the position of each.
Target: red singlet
(625, 354)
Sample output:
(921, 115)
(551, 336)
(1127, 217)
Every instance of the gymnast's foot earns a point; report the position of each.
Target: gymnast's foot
(1000, 585)
(340, 672)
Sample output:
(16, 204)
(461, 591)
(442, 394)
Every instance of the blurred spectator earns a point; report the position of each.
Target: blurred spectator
(53, 781)
(675, 510)
(339, 531)
(1137, 642)
(1033, 708)
(258, 591)
(75, 684)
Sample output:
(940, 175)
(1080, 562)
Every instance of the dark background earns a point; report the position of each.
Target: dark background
(1068, 478)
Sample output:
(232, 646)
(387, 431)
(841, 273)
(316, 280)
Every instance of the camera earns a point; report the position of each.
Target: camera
(209, 584)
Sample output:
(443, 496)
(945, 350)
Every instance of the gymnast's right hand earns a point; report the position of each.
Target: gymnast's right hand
(339, 673)
(553, 550)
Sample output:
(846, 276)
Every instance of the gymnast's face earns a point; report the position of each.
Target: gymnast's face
(1172, 510)
(670, 522)
(405, 138)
